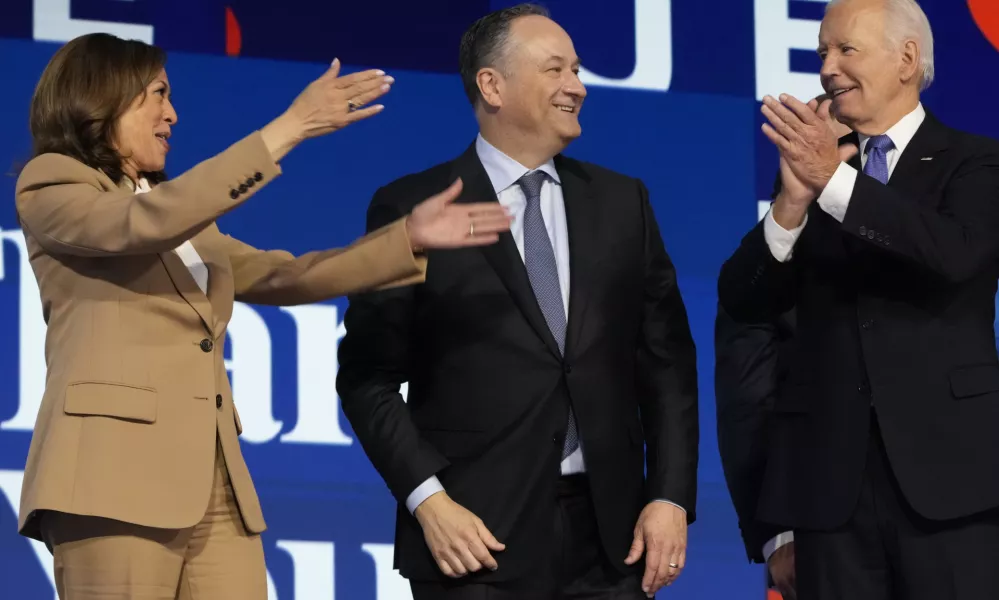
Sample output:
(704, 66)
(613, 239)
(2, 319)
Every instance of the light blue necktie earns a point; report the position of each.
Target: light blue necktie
(877, 157)
(542, 270)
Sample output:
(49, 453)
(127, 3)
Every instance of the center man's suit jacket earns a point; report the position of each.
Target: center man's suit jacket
(136, 390)
(489, 392)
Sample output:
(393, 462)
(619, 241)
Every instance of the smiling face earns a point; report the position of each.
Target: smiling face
(872, 81)
(538, 91)
(142, 133)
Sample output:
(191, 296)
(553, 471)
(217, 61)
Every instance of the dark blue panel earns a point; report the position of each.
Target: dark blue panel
(131, 11)
(15, 19)
(409, 35)
(604, 39)
(713, 47)
(806, 9)
(805, 61)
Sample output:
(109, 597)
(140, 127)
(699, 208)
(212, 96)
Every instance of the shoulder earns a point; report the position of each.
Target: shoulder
(58, 169)
(969, 145)
(408, 190)
(976, 145)
(596, 174)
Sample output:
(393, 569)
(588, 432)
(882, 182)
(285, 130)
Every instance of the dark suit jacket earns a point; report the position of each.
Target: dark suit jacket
(489, 393)
(750, 366)
(895, 309)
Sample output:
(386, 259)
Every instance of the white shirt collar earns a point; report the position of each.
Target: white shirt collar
(901, 133)
(504, 171)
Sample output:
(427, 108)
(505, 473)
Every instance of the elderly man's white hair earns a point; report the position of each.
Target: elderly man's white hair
(907, 21)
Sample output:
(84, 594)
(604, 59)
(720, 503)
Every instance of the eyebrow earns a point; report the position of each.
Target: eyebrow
(560, 58)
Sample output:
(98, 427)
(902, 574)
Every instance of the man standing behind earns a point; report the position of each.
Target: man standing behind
(538, 367)
(884, 451)
(750, 367)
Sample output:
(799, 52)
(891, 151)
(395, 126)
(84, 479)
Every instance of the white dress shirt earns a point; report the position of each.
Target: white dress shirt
(504, 172)
(186, 252)
(835, 200)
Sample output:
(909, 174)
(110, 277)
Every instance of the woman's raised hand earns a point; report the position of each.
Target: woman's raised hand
(329, 103)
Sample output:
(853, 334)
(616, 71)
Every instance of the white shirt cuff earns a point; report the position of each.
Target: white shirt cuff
(835, 198)
(779, 240)
(425, 490)
(776, 542)
(673, 503)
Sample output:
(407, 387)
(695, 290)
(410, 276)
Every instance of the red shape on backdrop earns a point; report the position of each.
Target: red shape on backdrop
(773, 595)
(986, 16)
(233, 35)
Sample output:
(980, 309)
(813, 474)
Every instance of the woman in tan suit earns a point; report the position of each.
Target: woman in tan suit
(134, 478)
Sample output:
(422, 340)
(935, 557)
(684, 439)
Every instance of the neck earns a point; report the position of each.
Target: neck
(887, 117)
(130, 172)
(522, 147)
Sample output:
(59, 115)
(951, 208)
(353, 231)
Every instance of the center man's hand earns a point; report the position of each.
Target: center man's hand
(458, 540)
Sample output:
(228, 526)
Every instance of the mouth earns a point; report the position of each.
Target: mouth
(566, 108)
(163, 137)
(837, 92)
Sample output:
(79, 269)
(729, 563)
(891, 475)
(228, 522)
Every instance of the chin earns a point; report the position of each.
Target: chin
(571, 133)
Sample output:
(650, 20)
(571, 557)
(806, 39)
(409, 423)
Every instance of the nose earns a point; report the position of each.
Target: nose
(169, 113)
(830, 69)
(574, 86)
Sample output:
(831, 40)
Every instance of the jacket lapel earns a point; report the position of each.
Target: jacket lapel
(503, 256)
(853, 138)
(188, 288)
(582, 221)
(930, 139)
(220, 284)
(177, 270)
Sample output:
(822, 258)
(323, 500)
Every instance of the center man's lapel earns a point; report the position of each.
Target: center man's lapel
(503, 256)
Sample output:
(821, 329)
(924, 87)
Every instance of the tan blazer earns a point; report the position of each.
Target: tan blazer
(136, 386)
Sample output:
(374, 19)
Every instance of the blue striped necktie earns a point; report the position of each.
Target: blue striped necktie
(542, 270)
(877, 157)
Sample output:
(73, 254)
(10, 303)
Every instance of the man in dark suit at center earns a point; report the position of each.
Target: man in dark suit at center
(546, 372)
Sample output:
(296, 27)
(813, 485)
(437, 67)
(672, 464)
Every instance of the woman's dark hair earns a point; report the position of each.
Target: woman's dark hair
(87, 86)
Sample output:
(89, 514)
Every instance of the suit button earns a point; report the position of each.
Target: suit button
(863, 230)
(887, 241)
(555, 440)
(243, 188)
(206, 345)
(218, 401)
(258, 176)
(870, 234)
(867, 324)
(568, 369)
(234, 194)
(250, 182)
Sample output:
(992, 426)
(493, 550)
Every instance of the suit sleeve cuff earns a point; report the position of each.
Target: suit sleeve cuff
(425, 490)
(673, 503)
(779, 240)
(835, 198)
(776, 542)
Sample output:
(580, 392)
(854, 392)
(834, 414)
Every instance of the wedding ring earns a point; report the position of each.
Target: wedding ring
(471, 229)
(674, 566)
(352, 106)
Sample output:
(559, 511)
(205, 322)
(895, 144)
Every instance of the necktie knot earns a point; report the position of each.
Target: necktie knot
(879, 142)
(531, 184)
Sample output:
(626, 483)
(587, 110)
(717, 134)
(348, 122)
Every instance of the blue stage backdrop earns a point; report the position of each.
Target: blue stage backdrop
(670, 82)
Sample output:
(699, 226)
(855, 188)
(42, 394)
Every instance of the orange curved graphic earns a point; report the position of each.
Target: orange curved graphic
(986, 16)
(233, 35)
